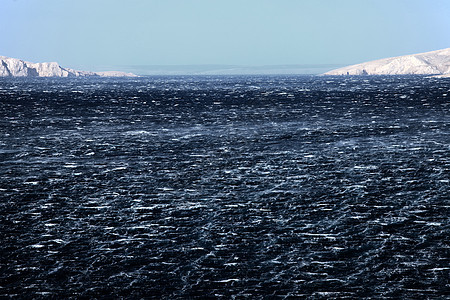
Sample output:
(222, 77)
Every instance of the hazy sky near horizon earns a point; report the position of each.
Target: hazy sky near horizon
(95, 33)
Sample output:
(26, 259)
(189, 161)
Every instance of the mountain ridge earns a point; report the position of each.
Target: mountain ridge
(435, 62)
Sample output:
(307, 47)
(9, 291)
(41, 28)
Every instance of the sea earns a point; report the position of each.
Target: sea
(225, 187)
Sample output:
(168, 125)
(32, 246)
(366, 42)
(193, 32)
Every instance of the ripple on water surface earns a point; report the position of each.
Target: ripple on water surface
(251, 186)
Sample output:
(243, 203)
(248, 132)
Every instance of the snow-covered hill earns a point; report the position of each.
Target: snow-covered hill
(428, 63)
(13, 67)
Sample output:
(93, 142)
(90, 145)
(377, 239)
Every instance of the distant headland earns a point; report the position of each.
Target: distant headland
(13, 67)
(428, 63)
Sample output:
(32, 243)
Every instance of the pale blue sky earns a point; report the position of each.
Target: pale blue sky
(95, 33)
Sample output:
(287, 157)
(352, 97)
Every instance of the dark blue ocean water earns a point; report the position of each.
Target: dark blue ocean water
(225, 187)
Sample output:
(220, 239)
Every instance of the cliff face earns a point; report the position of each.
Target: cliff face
(428, 63)
(13, 67)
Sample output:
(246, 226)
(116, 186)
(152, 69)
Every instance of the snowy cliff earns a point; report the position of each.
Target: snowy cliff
(428, 63)
(13, 67)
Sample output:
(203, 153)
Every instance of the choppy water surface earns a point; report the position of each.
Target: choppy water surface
(246, 187)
